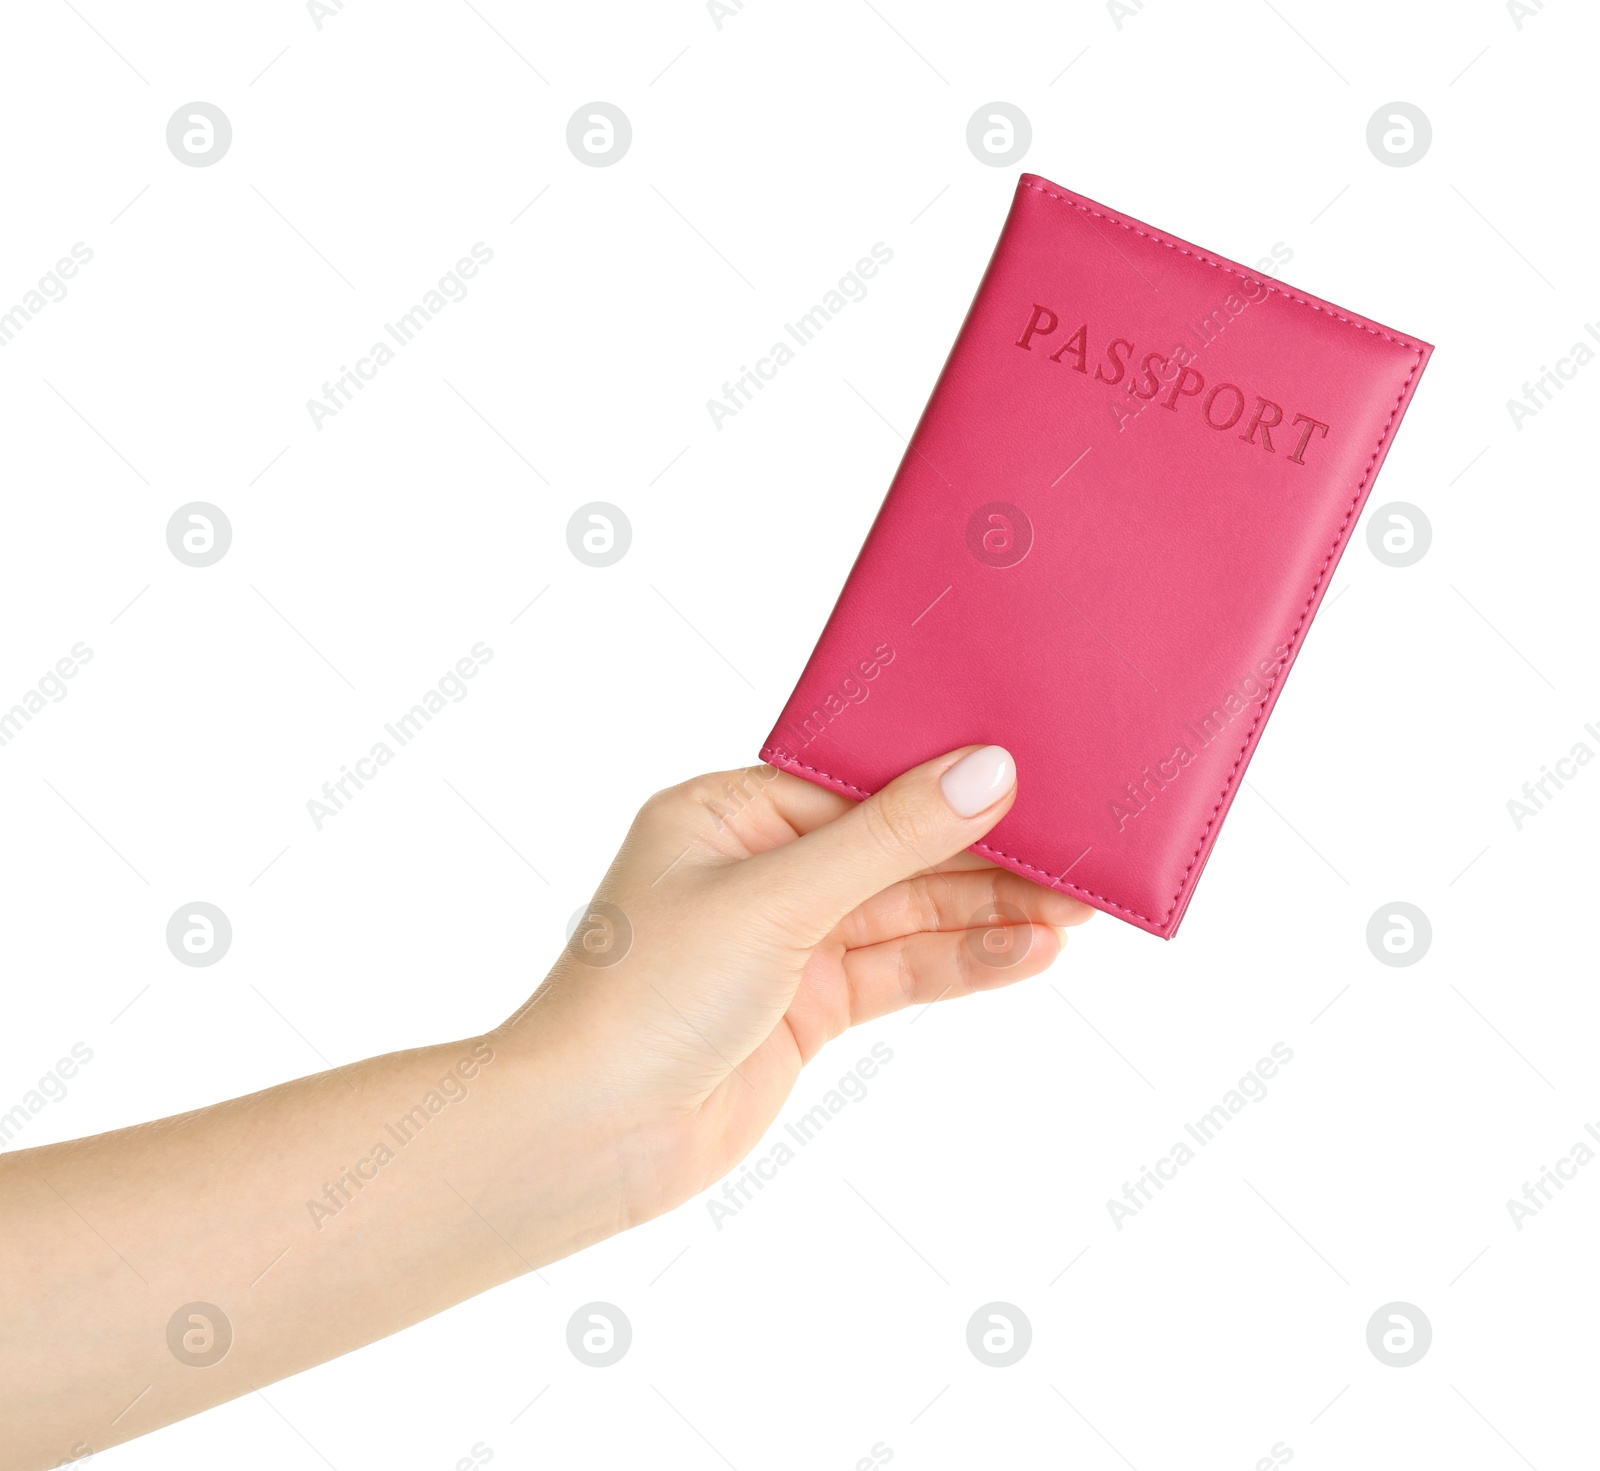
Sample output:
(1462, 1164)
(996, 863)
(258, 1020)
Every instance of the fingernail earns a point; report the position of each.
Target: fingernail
(979, 780)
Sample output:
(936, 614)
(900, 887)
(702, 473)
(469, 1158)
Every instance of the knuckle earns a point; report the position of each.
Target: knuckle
(660, 807)
(922, 903)
(723, 795)
(967, 972)
(891, 821)
(906, 970)
(994, 904)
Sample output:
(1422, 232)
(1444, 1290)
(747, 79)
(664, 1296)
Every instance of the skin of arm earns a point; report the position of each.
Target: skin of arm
(748, 918)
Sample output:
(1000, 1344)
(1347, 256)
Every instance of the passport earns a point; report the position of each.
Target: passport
(1104, 546)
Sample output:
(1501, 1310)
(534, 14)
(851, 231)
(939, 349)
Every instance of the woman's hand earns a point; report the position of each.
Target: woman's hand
(751, 917)
(748, 918)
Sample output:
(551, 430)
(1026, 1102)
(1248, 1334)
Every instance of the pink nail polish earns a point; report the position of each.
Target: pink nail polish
(979, 780)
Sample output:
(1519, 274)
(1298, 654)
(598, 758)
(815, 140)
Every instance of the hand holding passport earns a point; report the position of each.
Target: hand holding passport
(1104, 546)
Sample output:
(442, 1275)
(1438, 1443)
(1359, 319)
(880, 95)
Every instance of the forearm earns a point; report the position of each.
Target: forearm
(317, 1216)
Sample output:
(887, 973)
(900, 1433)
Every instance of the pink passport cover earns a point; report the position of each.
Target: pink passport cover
(1103, 547)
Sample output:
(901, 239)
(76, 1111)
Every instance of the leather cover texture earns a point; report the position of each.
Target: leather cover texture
(1103, 547)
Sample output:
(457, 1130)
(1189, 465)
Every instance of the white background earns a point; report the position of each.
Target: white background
(768, 155)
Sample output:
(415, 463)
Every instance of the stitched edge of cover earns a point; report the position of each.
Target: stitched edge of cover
(1184, 880)
(1205, 259)
(779, 757)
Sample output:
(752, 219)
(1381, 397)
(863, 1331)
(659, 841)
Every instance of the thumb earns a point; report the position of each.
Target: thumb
(919, 820)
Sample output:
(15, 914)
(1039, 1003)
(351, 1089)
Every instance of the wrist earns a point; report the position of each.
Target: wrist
(575, 1159)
